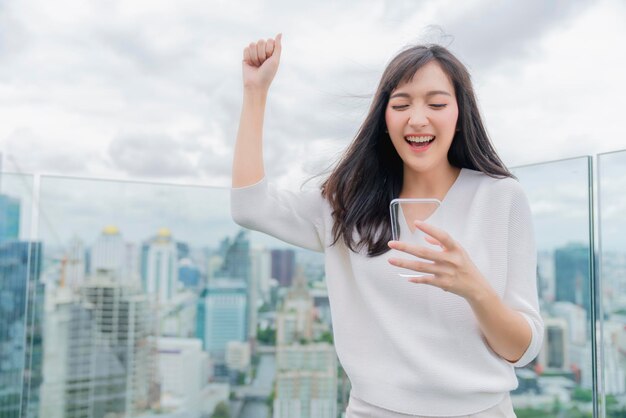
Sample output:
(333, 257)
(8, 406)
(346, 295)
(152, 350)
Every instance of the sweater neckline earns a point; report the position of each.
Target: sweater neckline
(436, 211)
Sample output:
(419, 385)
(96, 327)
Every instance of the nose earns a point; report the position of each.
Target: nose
(418, 118)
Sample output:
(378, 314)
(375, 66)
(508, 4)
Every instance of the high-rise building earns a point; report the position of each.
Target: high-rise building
(283, 266)
(572, 272)
(306, 381)
(306, 372)
(20, 328)
(177, 316)
(100, 353)
(261, 271)
(222, 316)
(237, 266)
(9, 218)
(294, 322)
(74, 264)
(160, 267)
(188, 273)
(236, 255)
(184, 371)
(108, 252)
(555, 352)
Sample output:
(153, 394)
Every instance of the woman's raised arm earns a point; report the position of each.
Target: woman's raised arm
(260, 63)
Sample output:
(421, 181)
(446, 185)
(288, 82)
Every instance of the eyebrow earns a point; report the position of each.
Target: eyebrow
(428, 94)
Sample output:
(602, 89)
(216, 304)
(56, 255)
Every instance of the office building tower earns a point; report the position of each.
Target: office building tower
(236, 266)
(238, 355)
(306, 381)
(572, 273)
(283, 266)
(100, 353)
(554, 354)
(108, 252)
(160, 267)
(20, 328)
(188, 274)
(177, 316)
(236, 256)
(306, 372)
(576, 319)
(294, 321)
(184, 372)
(261, 272)
(9, 218)
(73, 264)
(221, 316)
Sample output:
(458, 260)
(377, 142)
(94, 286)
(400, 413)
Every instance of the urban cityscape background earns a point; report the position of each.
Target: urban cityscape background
(129, 299)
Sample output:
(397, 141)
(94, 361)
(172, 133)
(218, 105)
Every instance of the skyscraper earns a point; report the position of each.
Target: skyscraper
(100, 354)
(108, 252)
(160, 269)
(572, 272)
(20, 333)
(283, 266)
(237, 266)
(9, 218)
(306, 372)
(222, 316)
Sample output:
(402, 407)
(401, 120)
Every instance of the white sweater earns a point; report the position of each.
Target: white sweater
(406, 347)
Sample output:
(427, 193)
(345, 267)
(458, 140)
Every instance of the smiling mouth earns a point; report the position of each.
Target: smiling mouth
(419, 141)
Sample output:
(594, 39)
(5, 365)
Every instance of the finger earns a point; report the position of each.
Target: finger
(253, 54)
(260, 51)
(269, 47)
(246, 56)
(279, 45)
(432, 241)
(419, 266)
(439, 234)
(430, 280)
(423, 280)
(418, 251)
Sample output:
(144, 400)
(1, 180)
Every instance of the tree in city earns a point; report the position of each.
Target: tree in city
(221, 411)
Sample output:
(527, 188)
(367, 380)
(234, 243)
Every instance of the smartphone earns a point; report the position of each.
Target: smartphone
(404, 213)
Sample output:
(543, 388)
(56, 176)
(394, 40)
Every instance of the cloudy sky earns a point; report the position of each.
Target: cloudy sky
(151, 90)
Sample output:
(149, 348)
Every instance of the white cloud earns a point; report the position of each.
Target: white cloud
(78, 76)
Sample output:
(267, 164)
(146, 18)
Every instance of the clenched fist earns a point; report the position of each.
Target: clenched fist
(260, 63)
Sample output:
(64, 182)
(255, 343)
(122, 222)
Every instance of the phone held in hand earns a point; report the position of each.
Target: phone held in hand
(404, 212)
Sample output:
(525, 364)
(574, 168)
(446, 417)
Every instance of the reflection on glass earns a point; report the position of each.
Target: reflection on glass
(560, 382)
(612, 220)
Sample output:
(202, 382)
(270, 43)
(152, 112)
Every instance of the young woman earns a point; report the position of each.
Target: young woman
(444, 344)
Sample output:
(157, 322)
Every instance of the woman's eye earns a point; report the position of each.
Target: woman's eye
(399, 107)
(438, 106)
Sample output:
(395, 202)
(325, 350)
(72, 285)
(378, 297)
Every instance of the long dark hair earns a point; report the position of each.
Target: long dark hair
(370, 172)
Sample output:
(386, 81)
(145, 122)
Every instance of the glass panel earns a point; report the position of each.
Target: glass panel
(560, 382)
(612, 221)
(147, 293)
(20, 298)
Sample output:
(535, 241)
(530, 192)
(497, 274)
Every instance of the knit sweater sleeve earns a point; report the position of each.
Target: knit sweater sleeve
(295, 218)
(521, 289)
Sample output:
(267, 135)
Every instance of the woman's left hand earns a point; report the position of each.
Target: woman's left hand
(451, 269)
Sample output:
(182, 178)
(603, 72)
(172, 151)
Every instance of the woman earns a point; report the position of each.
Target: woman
(444, 343)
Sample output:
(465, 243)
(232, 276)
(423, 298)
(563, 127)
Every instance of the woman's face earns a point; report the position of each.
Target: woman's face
(421, 118)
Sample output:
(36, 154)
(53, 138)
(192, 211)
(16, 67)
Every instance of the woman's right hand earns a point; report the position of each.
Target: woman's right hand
(260, 63)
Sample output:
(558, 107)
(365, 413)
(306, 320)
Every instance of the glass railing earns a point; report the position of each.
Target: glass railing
(612, 271)
(561, 380)
(147, 300)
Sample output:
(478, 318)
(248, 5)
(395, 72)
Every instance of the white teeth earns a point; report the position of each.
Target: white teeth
(419, 139)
